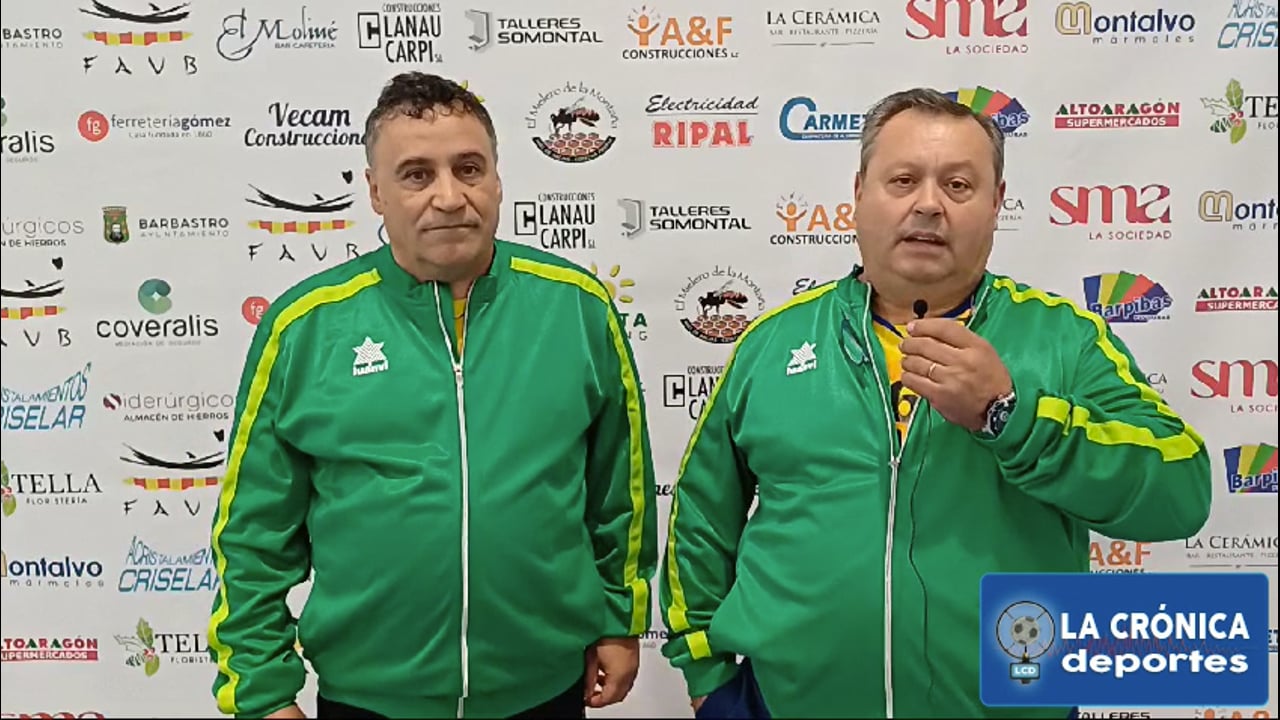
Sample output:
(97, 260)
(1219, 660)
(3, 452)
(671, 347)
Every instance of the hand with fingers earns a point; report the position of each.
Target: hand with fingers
(612, 665)
(957, 371)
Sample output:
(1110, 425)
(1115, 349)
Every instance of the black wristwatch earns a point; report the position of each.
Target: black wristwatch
(998, 413)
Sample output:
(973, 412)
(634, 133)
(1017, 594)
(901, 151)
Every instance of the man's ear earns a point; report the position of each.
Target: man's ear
(375, 197)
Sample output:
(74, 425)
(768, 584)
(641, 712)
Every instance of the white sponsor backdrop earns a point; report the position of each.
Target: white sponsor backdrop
(169, 170)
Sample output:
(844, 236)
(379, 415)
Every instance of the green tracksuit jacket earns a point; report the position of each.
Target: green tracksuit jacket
(471, 524)
(854, 587)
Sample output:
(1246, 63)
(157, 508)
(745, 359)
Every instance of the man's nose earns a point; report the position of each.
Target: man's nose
(448, 196)
(928, 200)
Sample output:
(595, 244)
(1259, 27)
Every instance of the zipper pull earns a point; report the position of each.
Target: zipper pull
(457, 373)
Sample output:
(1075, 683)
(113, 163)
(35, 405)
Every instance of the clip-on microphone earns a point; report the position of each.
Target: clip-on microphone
(920, 308)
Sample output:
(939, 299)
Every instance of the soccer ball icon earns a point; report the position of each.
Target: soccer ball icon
(1025, 631)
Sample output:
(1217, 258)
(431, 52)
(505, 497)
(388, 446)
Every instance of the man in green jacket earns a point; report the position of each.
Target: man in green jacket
(448, 435)
(905, 430)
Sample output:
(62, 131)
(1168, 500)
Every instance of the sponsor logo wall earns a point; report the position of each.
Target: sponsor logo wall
(170, 169)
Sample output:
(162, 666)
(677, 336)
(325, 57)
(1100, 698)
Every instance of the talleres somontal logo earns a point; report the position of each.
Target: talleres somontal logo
(1152, 639)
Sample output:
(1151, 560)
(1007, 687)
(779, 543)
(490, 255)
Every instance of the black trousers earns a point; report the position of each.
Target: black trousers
(567, 704)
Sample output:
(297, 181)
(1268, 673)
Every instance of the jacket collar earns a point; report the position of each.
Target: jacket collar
(856, 296)
(401, 284)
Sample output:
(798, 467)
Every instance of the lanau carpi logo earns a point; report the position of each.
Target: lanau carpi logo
(678, 37)
(556, 113)
(147, 38)
(559, 220)
(804, 223)
(404, 32)
(717, 305)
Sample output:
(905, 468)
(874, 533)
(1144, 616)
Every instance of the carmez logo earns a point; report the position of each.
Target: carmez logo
(1007, 113)
(1124, 297)
(822, 28)
(289, 219)
(142, 44)
(1254, 381)
(557, 111)
(703, 122)
(60, 407)
(1002, 24)
(805, 223)
(679, 37)
(1251, 469)
(155, 297)
(800, 120)
(1128, 29)
(1118, 115)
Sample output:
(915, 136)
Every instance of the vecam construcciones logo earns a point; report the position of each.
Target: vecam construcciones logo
(291, 126)
(557, 112)
(1119, 115)
(1251, 468)
(1124, 297)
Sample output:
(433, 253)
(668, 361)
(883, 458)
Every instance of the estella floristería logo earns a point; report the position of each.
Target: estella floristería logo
(635, 325)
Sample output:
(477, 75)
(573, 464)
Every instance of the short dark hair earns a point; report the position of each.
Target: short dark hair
(931, 102)
(417, 95)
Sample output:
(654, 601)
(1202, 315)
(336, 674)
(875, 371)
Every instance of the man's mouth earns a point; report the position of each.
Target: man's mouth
(929, 238)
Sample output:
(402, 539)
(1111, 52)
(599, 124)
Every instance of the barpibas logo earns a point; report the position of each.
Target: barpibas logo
(1007, 113)
(1251, 468)
(1124, 297)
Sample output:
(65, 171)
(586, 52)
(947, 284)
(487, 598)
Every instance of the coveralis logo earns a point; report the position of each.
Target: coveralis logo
(240, 35)
(689, 390)
(705, 122)
(309, 127)
(95, 126)
(556, 113)
(1220, 206)
(171, 408)
(823, 28)
(1237, 298)
(1132, 29)
(678, 37)
(800, 120)
(155, 297)
(717, 305)
(31, 37)
(60, 407)
(34, 300)
(1011, 211)
(639, 216)
(26, 145)
(1231, 552)
(38, 232)
(1254, 381)
(51, 572)
(1251, 468)
(974, 27)
(164, 476)
(634, 323)
(43, 490)
(404, 32)
(1111, 205)
(253, 308)
(315, 215)
(559, 220)
(1119, 556)
(1110, 116)
(1126, 298)
(804, 223)
(150, 570)
(488, 31)
(45, 649)
(1235, 112)
(1249, 24)
(146, 43)
(1007, 113)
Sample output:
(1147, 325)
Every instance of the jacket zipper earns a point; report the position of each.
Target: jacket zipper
(897, 446)
(456, 361)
